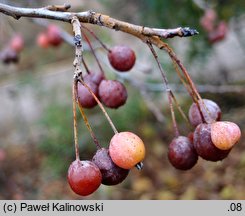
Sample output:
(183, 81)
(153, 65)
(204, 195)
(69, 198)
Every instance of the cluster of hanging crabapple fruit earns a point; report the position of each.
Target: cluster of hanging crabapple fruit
(11, 52)
(51, 37)
(109, 166)
(212, 139)
(216, 29)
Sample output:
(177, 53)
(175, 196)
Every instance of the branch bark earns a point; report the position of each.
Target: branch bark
(60, 13)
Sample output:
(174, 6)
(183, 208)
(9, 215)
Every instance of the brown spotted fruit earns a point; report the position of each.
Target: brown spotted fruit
(126, 149)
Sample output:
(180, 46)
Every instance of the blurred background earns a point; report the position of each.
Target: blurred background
(36, 128)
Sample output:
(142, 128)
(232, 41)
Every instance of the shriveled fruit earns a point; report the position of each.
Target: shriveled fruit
(85, 98)
(94, 77)
(17, 43)
(182, 154)
(225, 134)
(84, 177)
(122, 58)
(112, 93)
(111, 173)
(54, 35)
(204, 145)
(211, 112)
(126, 150)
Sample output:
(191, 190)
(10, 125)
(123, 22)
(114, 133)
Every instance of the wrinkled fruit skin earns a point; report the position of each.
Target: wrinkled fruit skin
(182, 154)
(94, 77)
(204, 145)
(195, 116)
(85, 98)
(111, 173)
(84, 177)
(225, 134)
(126, 150)
(121, 58)
(112, 93)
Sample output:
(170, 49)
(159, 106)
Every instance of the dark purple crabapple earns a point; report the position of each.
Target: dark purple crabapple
(111, 173)
(181, 153)
(204, 145)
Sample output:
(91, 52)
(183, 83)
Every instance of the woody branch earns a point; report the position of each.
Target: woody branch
(60, 12)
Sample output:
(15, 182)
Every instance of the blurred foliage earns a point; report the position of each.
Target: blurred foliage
(175, 13)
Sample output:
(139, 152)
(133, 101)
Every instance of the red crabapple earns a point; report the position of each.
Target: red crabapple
(54, 35)
(85, 98)
(17, 43)
(42, 40)
(207, 21)
(112, 93)
(122, 58)
(219, 33)
(84, 177)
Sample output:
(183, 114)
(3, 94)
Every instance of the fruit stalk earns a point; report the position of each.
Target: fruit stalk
(85, 66)
(100, 105)
(93, 52)
(74, 96)
(96, 142)
(168, 90)
(95, 36)
(194, 92)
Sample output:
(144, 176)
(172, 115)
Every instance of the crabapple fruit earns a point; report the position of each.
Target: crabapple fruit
(112, 93)
(126, 149)
(84, 177)
(121, 58)
(85, 98)
(211, 112)
(17, 43)
(224, 134)
(182, 154)
(111, 173)
(204, 145)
